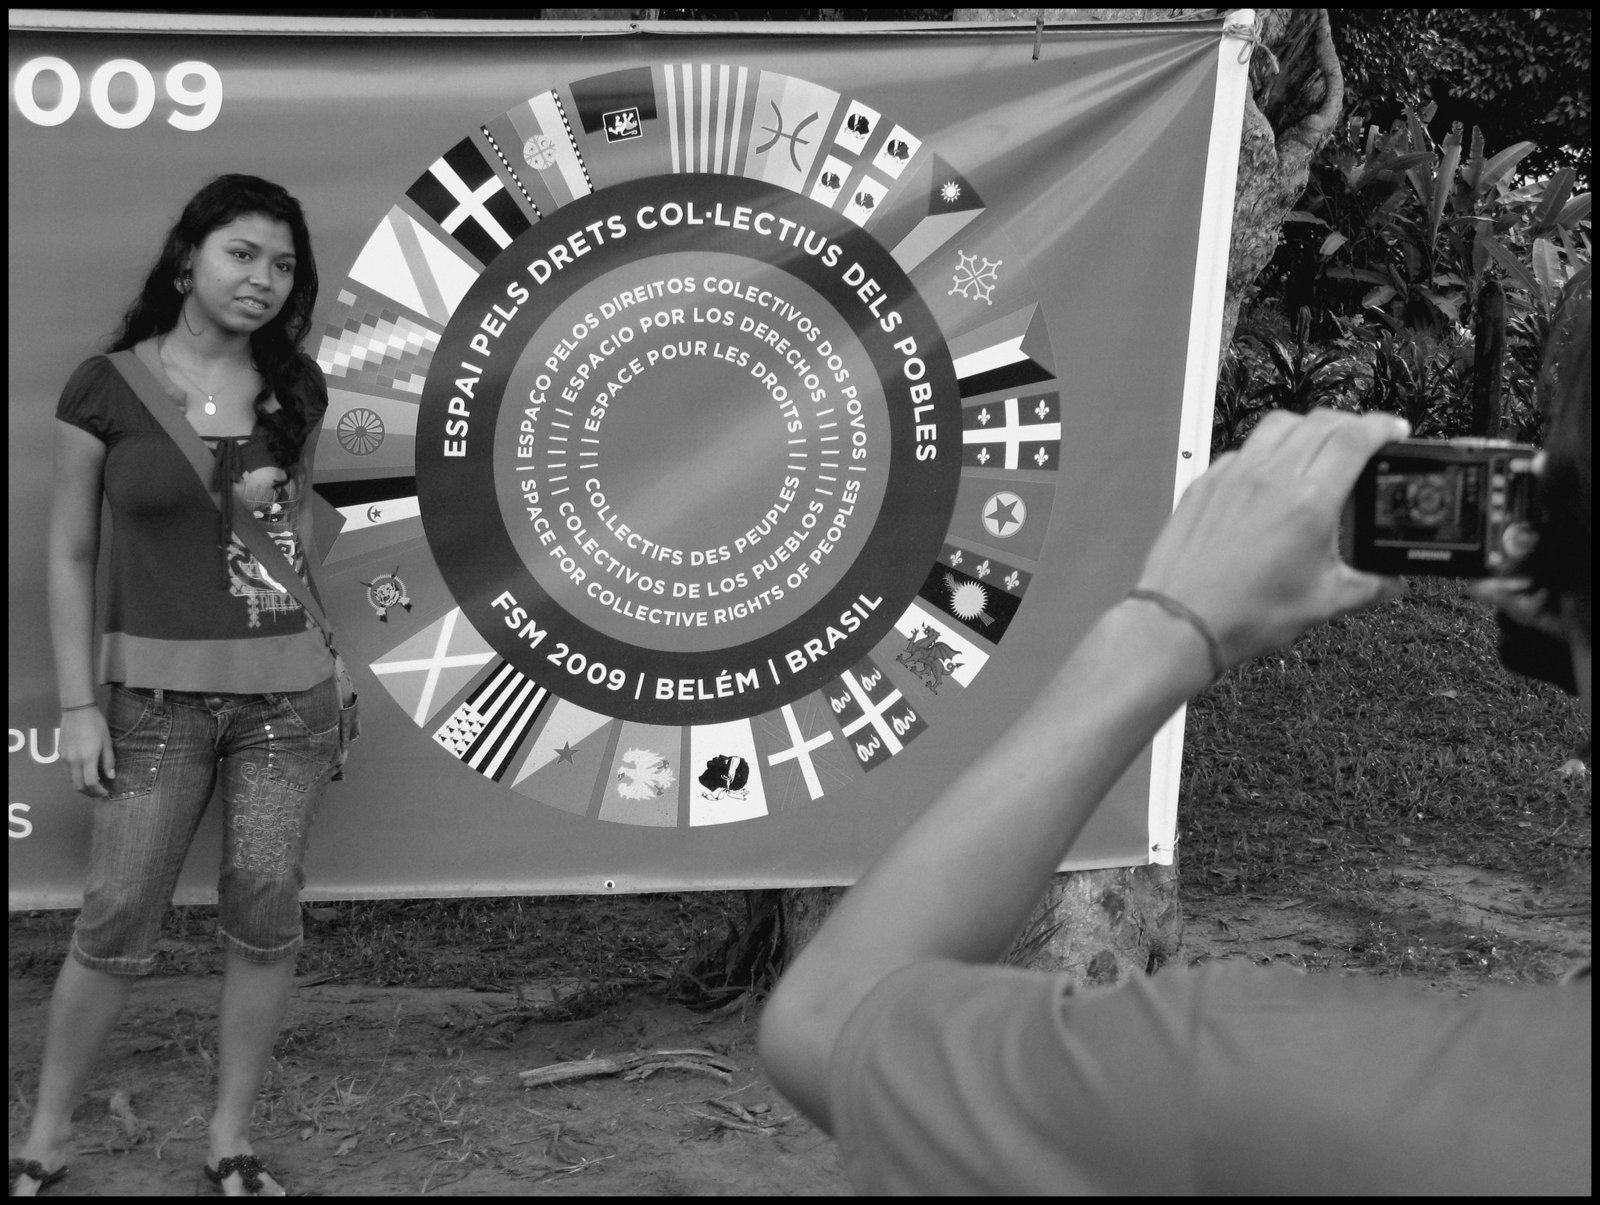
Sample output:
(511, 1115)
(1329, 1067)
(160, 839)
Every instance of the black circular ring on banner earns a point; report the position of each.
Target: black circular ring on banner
(462, 512)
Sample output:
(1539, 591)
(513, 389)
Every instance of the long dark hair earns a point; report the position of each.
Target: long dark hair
(275, 348)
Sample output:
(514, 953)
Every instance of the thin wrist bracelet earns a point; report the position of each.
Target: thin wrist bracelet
(81, 706)
(1178, 611)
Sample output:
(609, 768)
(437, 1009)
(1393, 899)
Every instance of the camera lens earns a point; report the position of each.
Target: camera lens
(1428, 502)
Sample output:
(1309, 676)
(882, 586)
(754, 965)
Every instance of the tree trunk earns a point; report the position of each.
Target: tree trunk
(1488, 361)
(1103, 925)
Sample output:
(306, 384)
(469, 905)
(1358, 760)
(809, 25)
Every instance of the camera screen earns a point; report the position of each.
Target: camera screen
(1427, 503)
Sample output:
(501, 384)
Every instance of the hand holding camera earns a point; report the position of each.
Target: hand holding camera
(1253, 546)
(1457, 507)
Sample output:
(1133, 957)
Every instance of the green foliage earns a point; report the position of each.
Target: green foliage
(1416, 378)
(1514, 73)
(1300, 376)
(1268, 370)
(1235, 410)
(1389, 253)
(1408, 230)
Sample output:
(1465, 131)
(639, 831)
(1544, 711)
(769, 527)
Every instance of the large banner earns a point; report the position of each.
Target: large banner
(732, 427)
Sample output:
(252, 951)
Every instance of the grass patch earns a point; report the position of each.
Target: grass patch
(1396, 727)
(1392, 735)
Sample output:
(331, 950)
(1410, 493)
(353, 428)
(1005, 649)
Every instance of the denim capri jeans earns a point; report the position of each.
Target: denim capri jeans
(274, 754)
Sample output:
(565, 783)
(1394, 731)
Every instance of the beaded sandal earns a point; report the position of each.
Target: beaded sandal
(248, 1166)
(34, 1170)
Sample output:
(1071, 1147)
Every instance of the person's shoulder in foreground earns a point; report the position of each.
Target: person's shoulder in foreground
(954, 1079)
(940, 1072)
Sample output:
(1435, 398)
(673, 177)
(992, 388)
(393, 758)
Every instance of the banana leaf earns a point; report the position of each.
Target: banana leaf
(1520, 276)
(1500, 166)
(1555, 196)
(1576, 210)
(1547, 268)
(1441, 187)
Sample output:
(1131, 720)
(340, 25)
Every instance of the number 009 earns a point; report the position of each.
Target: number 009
(191, 84)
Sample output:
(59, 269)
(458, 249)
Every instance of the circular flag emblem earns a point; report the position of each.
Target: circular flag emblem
(716, 467)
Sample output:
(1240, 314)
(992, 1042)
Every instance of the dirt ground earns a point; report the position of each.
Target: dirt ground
(406, 1092)
(389, 1091)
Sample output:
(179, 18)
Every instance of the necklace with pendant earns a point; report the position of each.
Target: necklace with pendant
(211, 398)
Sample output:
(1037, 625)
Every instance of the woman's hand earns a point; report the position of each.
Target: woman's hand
(87, 750)
(1253, 545)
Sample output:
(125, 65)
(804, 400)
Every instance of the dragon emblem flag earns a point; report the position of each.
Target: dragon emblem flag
(728, 433)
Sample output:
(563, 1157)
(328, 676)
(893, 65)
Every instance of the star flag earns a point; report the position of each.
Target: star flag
(563, 765)
(1006, 514)
(1015, 433)
(978, 602)
(938, 203)
(374, 527)
(463, 194)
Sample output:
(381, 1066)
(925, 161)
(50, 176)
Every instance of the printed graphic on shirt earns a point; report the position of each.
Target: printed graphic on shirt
(267, 600)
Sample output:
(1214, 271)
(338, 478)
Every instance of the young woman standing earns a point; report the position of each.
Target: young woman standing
(216, 673)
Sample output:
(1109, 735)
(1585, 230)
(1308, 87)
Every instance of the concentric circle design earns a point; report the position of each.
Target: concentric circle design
(717, 466)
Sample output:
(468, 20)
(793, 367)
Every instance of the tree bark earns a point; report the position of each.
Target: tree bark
(1104, 925)
(1488, 361)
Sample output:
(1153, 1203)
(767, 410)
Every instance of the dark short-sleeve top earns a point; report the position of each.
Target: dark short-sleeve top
(952, 1079)
(190, 608)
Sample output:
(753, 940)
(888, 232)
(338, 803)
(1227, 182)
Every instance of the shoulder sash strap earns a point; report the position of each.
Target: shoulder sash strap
(245, 525)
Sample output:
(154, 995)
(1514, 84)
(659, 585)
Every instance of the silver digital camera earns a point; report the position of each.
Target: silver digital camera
(1439, 507)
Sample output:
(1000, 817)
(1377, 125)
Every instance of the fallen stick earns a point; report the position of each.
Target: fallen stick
(557, 1073)
(729, 1123)
(638, 1066)
(646, 1070)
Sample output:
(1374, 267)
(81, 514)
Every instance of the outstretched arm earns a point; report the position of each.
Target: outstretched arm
(1252, 549)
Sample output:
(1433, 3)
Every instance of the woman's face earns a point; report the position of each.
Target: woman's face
(243, 273)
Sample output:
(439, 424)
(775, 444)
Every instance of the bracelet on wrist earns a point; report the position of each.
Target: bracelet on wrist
(1178, 611)
(80, 706)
